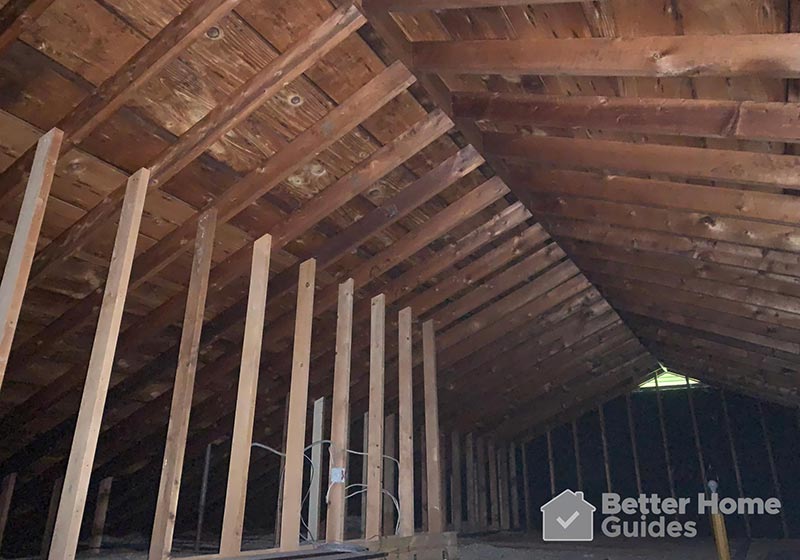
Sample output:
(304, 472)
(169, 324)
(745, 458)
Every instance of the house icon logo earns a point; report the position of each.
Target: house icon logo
(568, 517)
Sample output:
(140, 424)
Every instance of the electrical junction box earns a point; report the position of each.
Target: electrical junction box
(337, 475)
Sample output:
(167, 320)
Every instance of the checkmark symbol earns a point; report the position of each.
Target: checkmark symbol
(568, 522)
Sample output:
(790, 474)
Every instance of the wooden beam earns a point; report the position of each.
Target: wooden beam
(551, 466)
(201, 505)
(236, 494)
(526, 489)
(90, 415)
(298, 403)
(50, 522)
(6, 495)
(704, 118)
(178, 427)
(734, 457)
(434, 466)
(434, 5)
(100, 513)
(604, 441)
(16, 16)
(456, 487)
(514, 484)
(503, 489)
(364, 470)
(776, 483)
(377, 366)
(472, 483)
(390, 472)
(26, 236)
(483, 510)
(340, 418)
(494, 486)
(315, 485)
(763, 55)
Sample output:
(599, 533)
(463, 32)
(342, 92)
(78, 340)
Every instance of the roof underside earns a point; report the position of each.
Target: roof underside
(683, 225)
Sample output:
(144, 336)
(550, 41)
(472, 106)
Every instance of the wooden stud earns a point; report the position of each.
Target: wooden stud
(472, 483)
(6, 495)
(201, 505)
(389, 472)
(90, 415)
(242, 438)
(505, 501)
(315, 488)
(340, 418)
(551, 468)
(526, 487)
(696, 432)
(26, 236)
(494, 484)
(377, 366)
(364, 471)
(514, 483)
(456, 488)
(298, 405)
(776, 483)
(483, 514)
(664, 440)
(577, 452)
(734, 458)
(52, 510)
(178, 428)
(433, 463)
(284, 442)
(604, 440)
(100, 513)
(634, 446)
(423, 482)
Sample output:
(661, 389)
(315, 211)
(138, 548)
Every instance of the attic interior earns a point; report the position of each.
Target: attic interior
(383, 279)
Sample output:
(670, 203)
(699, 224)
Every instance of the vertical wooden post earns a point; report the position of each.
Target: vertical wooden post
(577, 451)
(340, 415)
(734, 458)
(423, 482)
(456, 490)
(696, 432)
(526, 487)
(279, 500)
(472, 483)
(434, 463)
(52, 510)
(502, 467)
(482, 504)
(315, 488)
(298, 407)
(26, 235)
(776, 483)
(6, 494)
(514, 482)
(377, 366)
(100, 513)
(178, 428)
(720, 536)
(201, 506)
(389, 472)
(242, 437)
(664, 441)
(551, 464)
(364, 471)
(405, 412)
(634, 448)
(90, 416)
(604, 439)
(494, 483)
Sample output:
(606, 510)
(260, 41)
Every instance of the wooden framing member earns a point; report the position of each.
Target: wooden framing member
(664, 441)
(100, 513)
(423, 482)
(433, 454)
(634, 446)
(315, 488)
(734, 458)
(551, 466)
(696, 433)
(494, 486)
(90, 415)
(6, 495)
(16, 16)
(766, 55)
(242, 438)
(389, 472)
(201, 505)
(433, 5)
(483, 514)
(456, 488)
(340, 414)
(503, 488)
(577, 451)
(298, 404)
(178, 427)
(513, 481)
(364, 469)
(472, 482)
(50, 522)
(604, 440)
(776, 483)
(526, 487)
(377, 366)
(26, 236)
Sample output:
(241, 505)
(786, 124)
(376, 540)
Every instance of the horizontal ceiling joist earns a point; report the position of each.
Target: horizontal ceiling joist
(767, 55)
(708, 118)
(16, 15)
(430, 5)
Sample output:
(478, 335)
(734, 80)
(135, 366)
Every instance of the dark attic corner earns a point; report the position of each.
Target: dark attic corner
(404, 279)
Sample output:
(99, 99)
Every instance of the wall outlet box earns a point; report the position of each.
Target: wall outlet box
(337, 475)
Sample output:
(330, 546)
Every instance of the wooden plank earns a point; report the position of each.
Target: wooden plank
(503, 488)
(483, 510)
(340, 416)
(776, 483)
(734, 457)
(90, 415)
(472, 483)
(50, 522)
(514, 485)
(201, 505)
(390, 472)
(298, 405)
(315, 488)
(26, 236)
(576, 447)
(434, 463)
(494, 487)
(364, 470)
(526, 489)
(604, 441)
(764, 55)
(405, 411)
(18, 15)
(183, 390)
(100, 513)
(432, 5)
(551, 467)
(236, 493)
(456, 487)
(377, 366)
(704, 118)
(6, 495)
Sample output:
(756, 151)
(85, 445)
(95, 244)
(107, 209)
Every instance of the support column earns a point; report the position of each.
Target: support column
(100, 513)
(377, 366)
(433, 452)
(52, 510)
(340, 415)
(315, 488)
(90, 415)
(389, 472)
(455, 481)
(242, 438)
(6, 495)
(298, 406)
(26, 235)
(405, 483)
(514, 482)
(178, 428)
